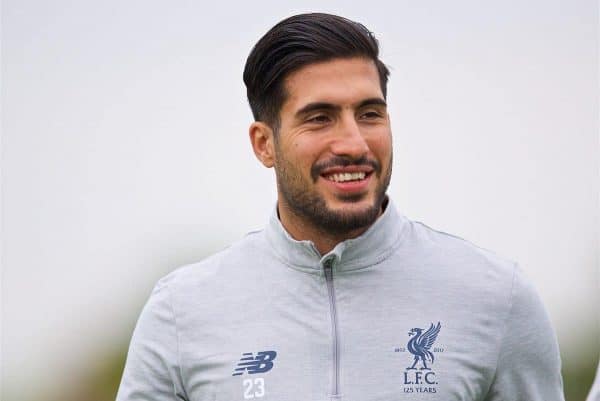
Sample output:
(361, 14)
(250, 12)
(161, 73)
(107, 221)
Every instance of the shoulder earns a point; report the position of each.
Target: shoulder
(218, 268)
(458, 256)
(459, 270)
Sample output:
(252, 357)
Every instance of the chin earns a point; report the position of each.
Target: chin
(352, 202)
(348, 217)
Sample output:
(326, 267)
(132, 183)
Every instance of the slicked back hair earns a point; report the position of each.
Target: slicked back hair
(296, 42)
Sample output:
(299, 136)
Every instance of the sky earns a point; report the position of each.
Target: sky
(125, 151)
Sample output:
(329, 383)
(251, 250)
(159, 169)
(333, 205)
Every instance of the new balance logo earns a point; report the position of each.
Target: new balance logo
(263, 362)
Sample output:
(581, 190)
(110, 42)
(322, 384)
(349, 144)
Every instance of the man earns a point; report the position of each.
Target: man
(340, 297)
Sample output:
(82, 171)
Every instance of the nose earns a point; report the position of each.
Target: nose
(349, 140)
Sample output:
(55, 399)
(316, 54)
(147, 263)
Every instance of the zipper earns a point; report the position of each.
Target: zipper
(328, 268)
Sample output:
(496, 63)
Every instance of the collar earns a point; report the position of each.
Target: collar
(368, 249)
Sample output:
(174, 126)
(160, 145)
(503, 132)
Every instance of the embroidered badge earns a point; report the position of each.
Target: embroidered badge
(419, 376)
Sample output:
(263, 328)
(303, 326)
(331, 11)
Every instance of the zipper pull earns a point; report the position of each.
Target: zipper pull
(328, 268)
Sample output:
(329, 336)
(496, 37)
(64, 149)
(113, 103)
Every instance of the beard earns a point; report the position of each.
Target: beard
(305, 202)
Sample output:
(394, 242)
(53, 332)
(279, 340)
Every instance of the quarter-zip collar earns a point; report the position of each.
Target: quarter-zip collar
(368, 249)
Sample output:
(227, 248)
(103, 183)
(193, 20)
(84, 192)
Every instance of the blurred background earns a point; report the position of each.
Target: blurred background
(125, 155)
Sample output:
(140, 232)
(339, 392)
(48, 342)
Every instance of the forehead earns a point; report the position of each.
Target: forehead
(337, 81)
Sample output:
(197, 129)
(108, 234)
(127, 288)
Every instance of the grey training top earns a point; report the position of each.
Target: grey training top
(402, 312)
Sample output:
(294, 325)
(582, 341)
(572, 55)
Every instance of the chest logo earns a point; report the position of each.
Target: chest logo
(420, 344)
(261, 363)
(419, 377)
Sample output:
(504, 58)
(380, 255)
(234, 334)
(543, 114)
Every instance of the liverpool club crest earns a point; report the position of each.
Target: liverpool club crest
(420, 377)
(420, 344)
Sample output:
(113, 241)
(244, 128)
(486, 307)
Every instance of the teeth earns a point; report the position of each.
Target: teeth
(343, 177)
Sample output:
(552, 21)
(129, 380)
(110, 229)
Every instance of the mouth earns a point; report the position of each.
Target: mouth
(348, 181)
(341, 169)
(347, 176)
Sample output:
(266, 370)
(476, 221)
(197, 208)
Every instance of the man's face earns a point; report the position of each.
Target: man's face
(333, 151)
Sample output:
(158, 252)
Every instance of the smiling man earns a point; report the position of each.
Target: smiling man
(331, 148)
(340, 297)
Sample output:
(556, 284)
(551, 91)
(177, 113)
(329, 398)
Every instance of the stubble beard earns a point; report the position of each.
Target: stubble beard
(307, 204)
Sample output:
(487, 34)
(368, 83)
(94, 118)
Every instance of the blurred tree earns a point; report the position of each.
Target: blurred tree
(100, 383)
(579, 371)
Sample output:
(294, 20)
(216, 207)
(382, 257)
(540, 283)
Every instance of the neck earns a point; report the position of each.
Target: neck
(300, 229)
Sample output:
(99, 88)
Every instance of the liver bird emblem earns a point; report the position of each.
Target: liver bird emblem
(420, 343)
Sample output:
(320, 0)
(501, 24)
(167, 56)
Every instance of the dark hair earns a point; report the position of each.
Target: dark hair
(296, 42)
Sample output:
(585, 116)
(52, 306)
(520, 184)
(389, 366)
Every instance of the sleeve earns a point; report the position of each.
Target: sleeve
(528, 366)
(152, 370)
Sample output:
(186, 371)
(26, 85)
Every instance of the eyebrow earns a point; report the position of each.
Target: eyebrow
(329, 106)
(374, 101)
(316, 106)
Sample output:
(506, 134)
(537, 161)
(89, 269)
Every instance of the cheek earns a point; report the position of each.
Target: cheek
(381, 146)
(305, 152)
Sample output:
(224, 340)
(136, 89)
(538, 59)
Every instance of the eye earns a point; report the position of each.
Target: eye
(318, 119)
(370, 115)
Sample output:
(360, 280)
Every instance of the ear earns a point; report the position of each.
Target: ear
(261, 138)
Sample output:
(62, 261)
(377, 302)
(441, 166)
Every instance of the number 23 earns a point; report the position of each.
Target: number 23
(254, 389)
